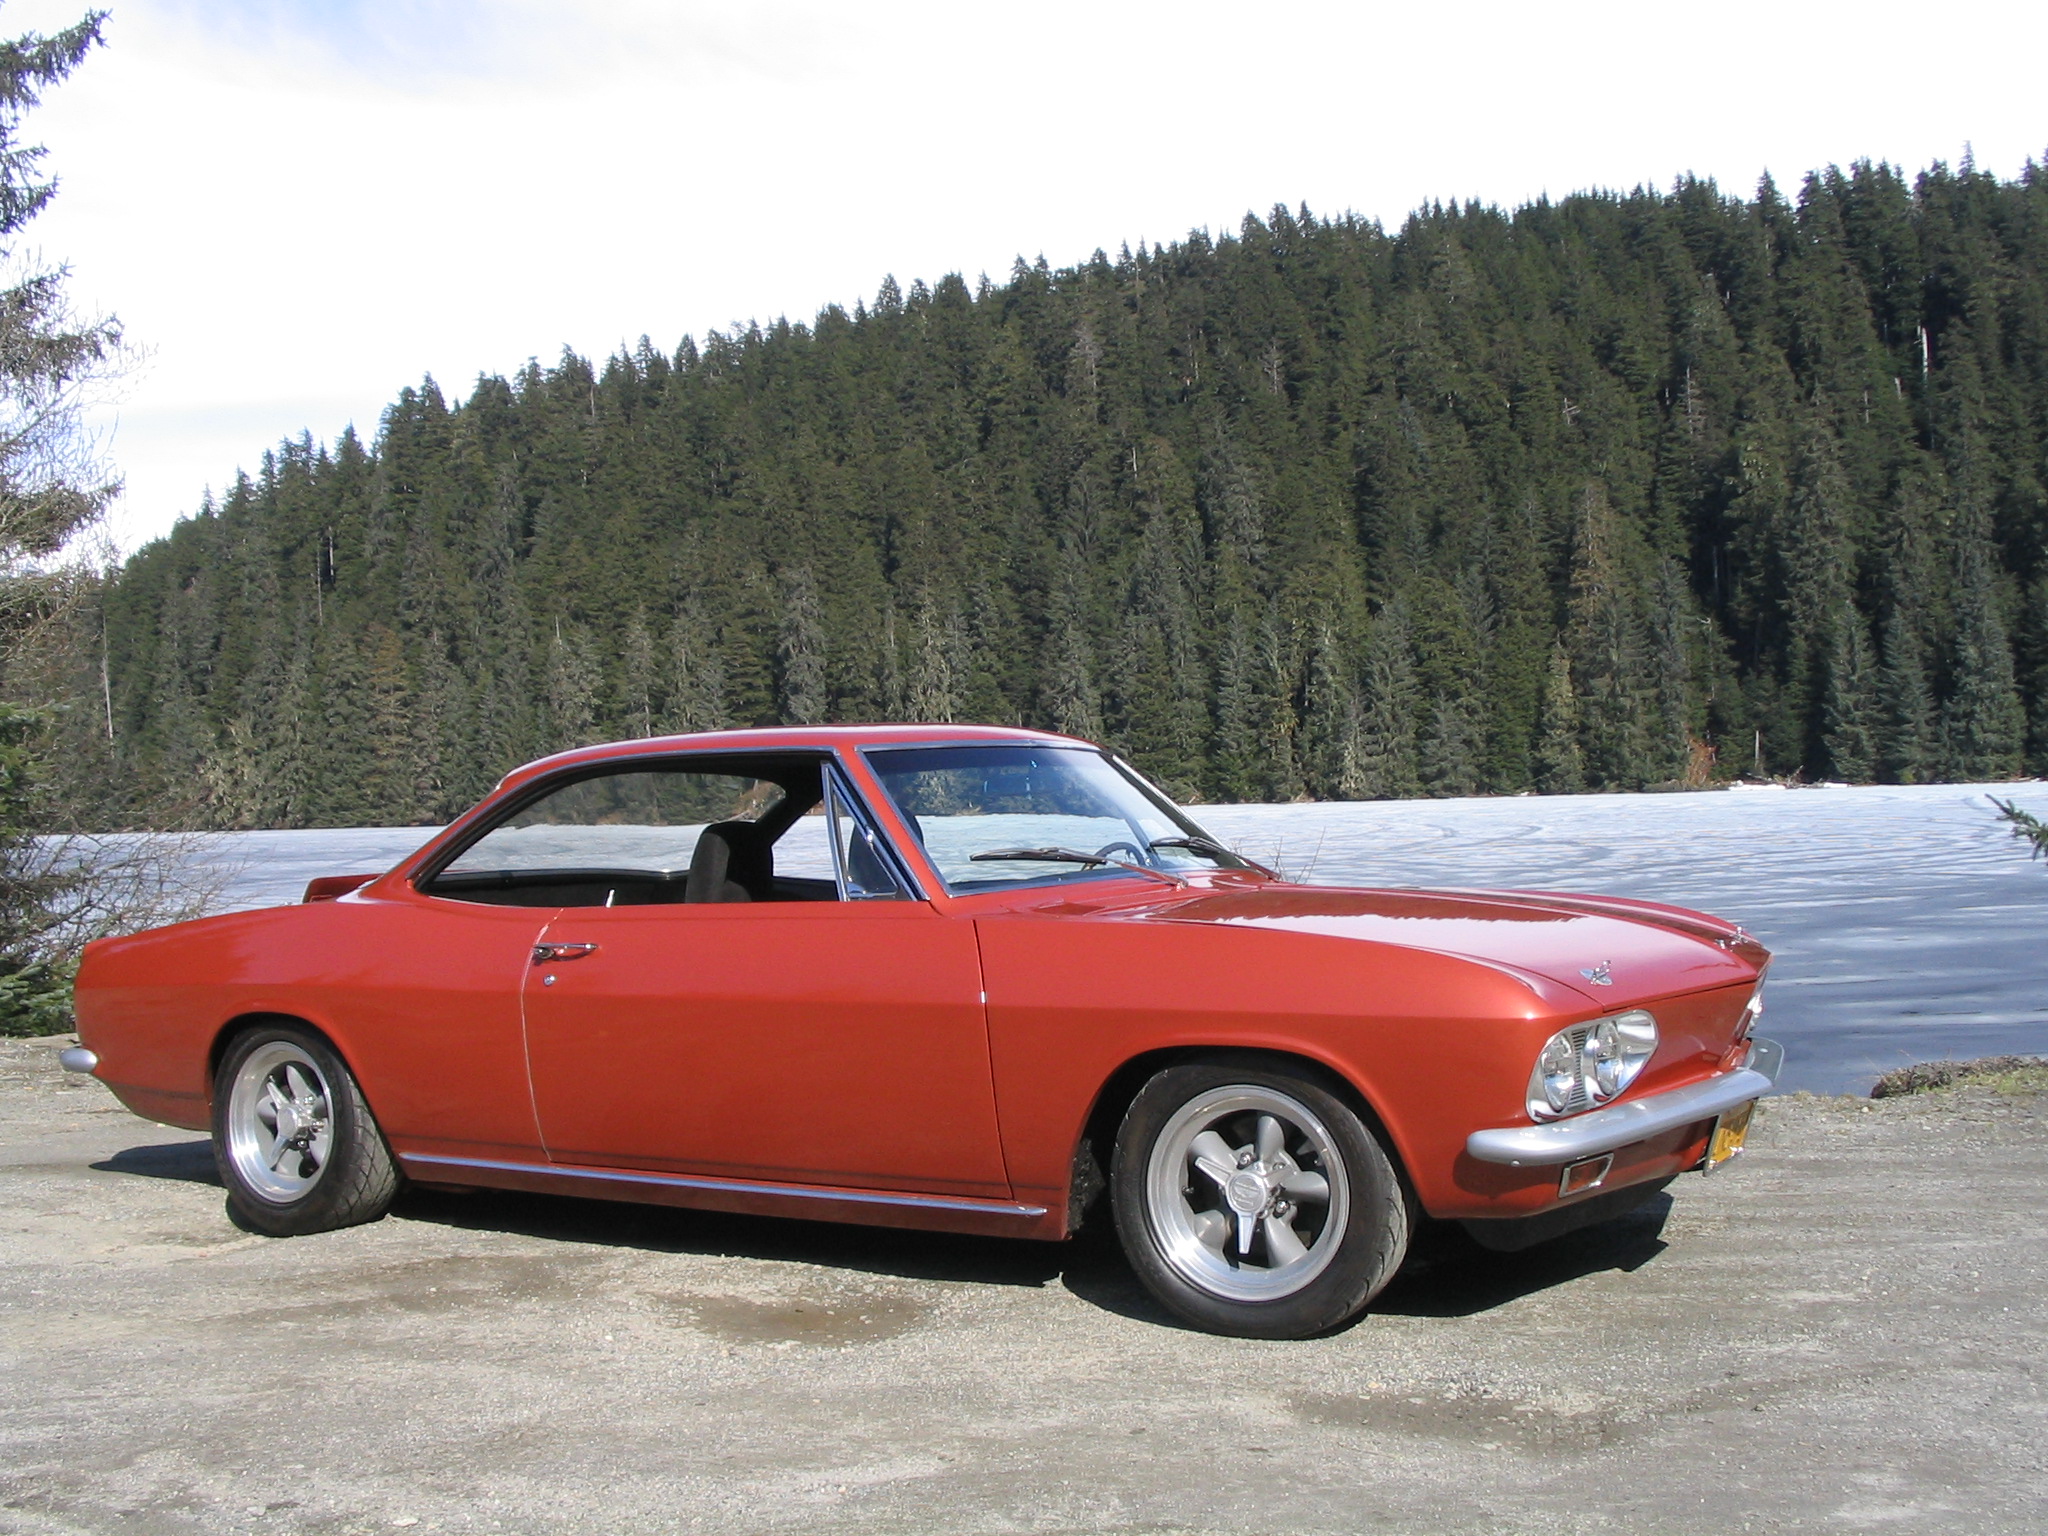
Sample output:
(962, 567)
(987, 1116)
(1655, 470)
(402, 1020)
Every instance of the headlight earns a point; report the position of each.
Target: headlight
(1590, 1063)
(1557, 1076)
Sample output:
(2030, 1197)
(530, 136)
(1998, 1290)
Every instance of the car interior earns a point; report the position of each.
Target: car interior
(616, 838)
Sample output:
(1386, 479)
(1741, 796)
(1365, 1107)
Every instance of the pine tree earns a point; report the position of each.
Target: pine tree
(1908, 727)
(1071, 701)
(287, 777)
(637, 676)
(387, 794)
(1333, 748)
(800, 650)
(1279, 724)
(1239, 743)
(1605, 637)
(2036, 691)
(1676, 636)
(936, 663)
(1450, 747)
(52, 482)
(1983, 723)
(1386, 758)
(696, 672)
(1823, 627)
(501, 642)
(890, 687)
(342, 750)
(436, 732)
(1560, 761)
(572, 690)
(231, 778)
(1849, 703)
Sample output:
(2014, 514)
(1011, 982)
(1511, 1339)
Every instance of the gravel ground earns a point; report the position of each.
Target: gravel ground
(1844, 1332)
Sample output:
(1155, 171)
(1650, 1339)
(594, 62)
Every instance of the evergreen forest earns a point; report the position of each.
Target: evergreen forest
(1614, 492)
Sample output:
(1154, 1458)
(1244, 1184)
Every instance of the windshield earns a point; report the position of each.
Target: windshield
(968, 803)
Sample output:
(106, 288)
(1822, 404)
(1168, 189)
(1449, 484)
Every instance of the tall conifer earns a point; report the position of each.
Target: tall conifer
(1560, 760)
(1983, 724)
(1699, 446)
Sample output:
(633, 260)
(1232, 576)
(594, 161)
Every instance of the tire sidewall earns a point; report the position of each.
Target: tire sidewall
(355, 1138)
(1373, 1243)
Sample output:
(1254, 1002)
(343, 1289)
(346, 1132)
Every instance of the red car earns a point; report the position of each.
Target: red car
(938, 976)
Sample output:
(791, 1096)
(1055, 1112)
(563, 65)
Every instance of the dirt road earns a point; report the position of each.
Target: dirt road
(1848, 1331)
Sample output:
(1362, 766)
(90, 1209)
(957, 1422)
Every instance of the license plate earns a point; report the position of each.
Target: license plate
(1730, 1131)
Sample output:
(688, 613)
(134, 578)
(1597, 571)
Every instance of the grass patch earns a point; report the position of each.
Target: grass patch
(2004, 1074)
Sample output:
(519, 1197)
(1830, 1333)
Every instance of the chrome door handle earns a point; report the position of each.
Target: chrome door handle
(547, 954)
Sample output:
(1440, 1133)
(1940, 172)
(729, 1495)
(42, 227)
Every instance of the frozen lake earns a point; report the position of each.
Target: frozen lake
(1908, 924)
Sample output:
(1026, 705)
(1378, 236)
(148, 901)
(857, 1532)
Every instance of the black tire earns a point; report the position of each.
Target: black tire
(296, 1145)
(1337, 1252)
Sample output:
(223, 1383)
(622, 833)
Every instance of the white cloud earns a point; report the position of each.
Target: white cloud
(300, 207)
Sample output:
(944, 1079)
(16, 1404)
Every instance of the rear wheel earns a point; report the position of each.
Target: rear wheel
(1255, 1202)
(296, 1145)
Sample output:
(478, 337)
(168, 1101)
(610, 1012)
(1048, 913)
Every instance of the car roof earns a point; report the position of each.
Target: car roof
(791, 738)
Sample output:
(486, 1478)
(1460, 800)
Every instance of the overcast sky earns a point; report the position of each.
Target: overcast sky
(299, 206)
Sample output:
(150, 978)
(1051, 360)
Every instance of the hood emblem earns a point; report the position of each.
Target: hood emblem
(1598, 974)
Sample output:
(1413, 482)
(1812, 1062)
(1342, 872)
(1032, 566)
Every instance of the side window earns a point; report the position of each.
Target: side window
(635, 837)
(864, 869)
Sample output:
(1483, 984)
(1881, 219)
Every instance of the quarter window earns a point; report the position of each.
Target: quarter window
(864, 867)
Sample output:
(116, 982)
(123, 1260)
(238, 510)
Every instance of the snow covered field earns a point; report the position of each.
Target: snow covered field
(1908, 924)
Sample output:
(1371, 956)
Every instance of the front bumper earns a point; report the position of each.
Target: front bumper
(1619, 1125)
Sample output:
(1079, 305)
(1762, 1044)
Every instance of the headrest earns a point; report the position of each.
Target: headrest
(732, 862)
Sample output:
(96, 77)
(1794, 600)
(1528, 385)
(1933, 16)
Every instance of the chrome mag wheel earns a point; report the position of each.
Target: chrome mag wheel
(1247, 1193)
(296, 1144)
(280, 1122)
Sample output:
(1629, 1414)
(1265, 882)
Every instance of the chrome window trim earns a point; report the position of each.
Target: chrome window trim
(546, 784)
(1174, 810)
(1051, 743)
(840, 789)
(831, 809)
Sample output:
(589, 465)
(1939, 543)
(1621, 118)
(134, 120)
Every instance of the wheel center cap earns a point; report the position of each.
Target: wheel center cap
(1247, 1192)
(297, 1117)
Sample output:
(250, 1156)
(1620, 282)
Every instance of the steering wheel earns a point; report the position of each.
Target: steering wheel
(1137, 854)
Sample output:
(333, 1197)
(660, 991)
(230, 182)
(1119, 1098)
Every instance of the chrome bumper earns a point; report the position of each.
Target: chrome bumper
(1620, 1125)
(76, 1058)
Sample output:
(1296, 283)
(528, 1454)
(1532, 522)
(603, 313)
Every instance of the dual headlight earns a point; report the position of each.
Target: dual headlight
(1590, 1063)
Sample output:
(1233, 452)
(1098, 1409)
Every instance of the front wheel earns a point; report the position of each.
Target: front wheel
(1255, 1202)
(296, 1145)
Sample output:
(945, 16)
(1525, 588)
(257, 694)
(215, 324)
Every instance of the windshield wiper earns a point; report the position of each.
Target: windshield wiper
(1210, 848)
(1070, 856)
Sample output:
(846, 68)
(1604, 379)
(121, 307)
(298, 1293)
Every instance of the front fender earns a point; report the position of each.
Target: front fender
(1437, 1045)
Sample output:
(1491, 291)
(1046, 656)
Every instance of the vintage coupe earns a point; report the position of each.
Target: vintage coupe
(948, 977)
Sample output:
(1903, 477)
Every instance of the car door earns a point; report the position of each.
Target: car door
(830, 1034)
(424, 994)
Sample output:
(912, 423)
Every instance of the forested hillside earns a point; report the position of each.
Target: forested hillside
(1611, 492)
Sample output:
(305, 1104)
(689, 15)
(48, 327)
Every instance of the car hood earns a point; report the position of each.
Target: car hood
(1642, 949)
